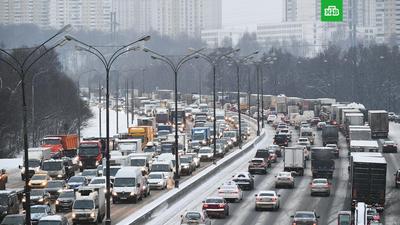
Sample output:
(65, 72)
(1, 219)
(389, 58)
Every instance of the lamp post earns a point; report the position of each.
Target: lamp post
(175, 68)
(33, 103)
(107, 63)
(22, 69)
(270, 61)
(214, 62)
(237, 62)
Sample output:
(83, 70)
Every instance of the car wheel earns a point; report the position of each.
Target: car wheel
(227, 212)
(135, 200)
(256, 208)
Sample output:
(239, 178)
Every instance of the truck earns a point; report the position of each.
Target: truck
(61, 144)
(363, 146)
(378, 120)
(294, 160)
(322, 162)
(35, 158)
(147, 121)
(128, 146)
(89, 205)
(307, 132)
(352, 119)
(368, 179)
(359, 133)
(330, 135)
(181, 118)
(9, 203)
(144, 133)
(90, 154)
(200, 136)
(57, 169)
(162, 115)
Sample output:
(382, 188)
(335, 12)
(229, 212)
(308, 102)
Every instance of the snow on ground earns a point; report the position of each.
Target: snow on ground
(10, 164)
(92, 129)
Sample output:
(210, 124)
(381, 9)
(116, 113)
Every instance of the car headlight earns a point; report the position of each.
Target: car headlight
(57, 202)
(29, 183)
(41, 200)
(73, 215)
(97, 163)
(44, 183)
(132, 193)
(59, 175)
(59, 191)
(114, 193)
(5, 212)
(80, 163)
(92, 215)
(23, 200)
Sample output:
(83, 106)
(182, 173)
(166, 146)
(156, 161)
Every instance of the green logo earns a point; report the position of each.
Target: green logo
(332, 10)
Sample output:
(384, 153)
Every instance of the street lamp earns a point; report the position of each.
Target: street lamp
(175, 68)
(237, 64)
(214, 62)
(107, 63)
(33, 103)
(270, 61)
(22, 69)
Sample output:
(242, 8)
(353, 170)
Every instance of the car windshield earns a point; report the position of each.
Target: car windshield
(193, 216)
(284, 175)
(214, 200)
(88, 151)
(98, 181)
(372, 211)
(34, 163)
(149, 149)
(127, 146)
(76, 179)
(257, 161)
(37, 192)
(11, 220)
(83, 204)
(304, 133)
(198, 136)
(229, 134)
(267, 194)
(113, 170)
(53, 184)
(67, 194)
(185, 160)
(124, 182)
(52, 166)
(38, 210)
(305, 215)
(138, 162)
(89, 173)
(39, 177)
(155, 176)
(204, 150)
(160, 168)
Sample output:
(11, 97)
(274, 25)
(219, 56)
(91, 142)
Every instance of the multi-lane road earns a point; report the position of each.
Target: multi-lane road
(292, 200)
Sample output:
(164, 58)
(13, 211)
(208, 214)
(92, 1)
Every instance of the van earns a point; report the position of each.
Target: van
(360, 214)
(128, 184)
(8, 202)
(169, 157)
(163, 166)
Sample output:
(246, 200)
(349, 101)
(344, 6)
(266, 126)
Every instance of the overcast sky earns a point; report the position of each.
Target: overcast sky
(250, 12)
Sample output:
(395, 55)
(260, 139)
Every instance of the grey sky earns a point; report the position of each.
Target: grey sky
(250, 12)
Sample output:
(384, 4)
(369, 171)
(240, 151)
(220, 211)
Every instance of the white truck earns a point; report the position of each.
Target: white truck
(294, 160)
(35, 158)
(307, 132)
(142, 160)
(89, 205)
(128, 146)
(128, 184)
(364, 146)
(359, 133)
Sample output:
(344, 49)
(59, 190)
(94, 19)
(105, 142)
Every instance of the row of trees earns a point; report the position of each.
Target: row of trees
(52, 99)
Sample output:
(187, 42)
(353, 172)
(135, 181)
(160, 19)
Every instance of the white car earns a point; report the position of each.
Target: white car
(271, 118)
(205, 153)
(284, 179)
(157, 180)
(287, 132)
(230, 191)
(267, 199)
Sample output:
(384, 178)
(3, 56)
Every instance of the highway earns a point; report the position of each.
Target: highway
(292, 200)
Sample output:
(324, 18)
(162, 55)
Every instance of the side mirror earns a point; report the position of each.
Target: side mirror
(181, 216)
(137, 185)
(310, 183)
(20, 167)
(292, 216)
(318, 217)
(255, 195)
(203, 201)
(279, 195)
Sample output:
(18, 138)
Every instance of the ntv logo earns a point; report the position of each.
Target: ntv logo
(332, 10)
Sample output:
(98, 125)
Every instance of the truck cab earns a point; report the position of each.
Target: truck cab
(308, 133)
(89, 205)
(128, 146)
(89, 154)
(57, 168)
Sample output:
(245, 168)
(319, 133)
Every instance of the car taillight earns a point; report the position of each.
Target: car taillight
(221, 205)
(258, 199)
(274, 199)
(314, 223)
(205, 206)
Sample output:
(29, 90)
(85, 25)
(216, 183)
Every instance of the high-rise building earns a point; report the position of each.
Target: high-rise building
(391, 21)
(25, 12)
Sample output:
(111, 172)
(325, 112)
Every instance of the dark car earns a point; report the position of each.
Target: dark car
(281, 140)
(389, 146)
(187, 165)
(39, 211)
(38, 197)
(305, 218)
(277, 149)
(216, 206)
(263, 153)
(65, 200)
(76, 181)
(244, 180)
(258, 165)
(14, 219)
(54, 187)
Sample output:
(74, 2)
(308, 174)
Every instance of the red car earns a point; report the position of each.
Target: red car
(373, 215)
(216, 206)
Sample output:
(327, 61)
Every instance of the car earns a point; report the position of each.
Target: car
(54, 187)
(263, 153)
(244, 180)
(304, 141)
(220, 150)
(195, 217)
(320, 186)
(157, 180)
(389, 146)
(305, 218)
(276, 148)
(195, 157)
(230, 191)
(335, 149)
(257, 165)
(187, 165)
(90, 173)
(224, 143)
(287, 132)
(391, 116)
(267, 199)
(321, 125)
(100, 182)
(39, 181)
(54, 220)
(229, 142)
(37, 197)
(14, 219)
(273, 158)
(284, 179)
(281, 140)
(397, 178)
(216, 206)
(39, 211)
(65, 200)
(271, 118)
(206, 154)
(281, 126)
(373, 215)
(344, 218)
(314, 121)
(76, 181)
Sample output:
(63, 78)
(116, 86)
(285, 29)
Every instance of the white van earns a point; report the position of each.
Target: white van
(163, 166)
(128, 184)
(307, 132)
(360, 214)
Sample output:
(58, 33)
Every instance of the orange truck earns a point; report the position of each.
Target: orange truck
(145, 133)
(64, 145)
